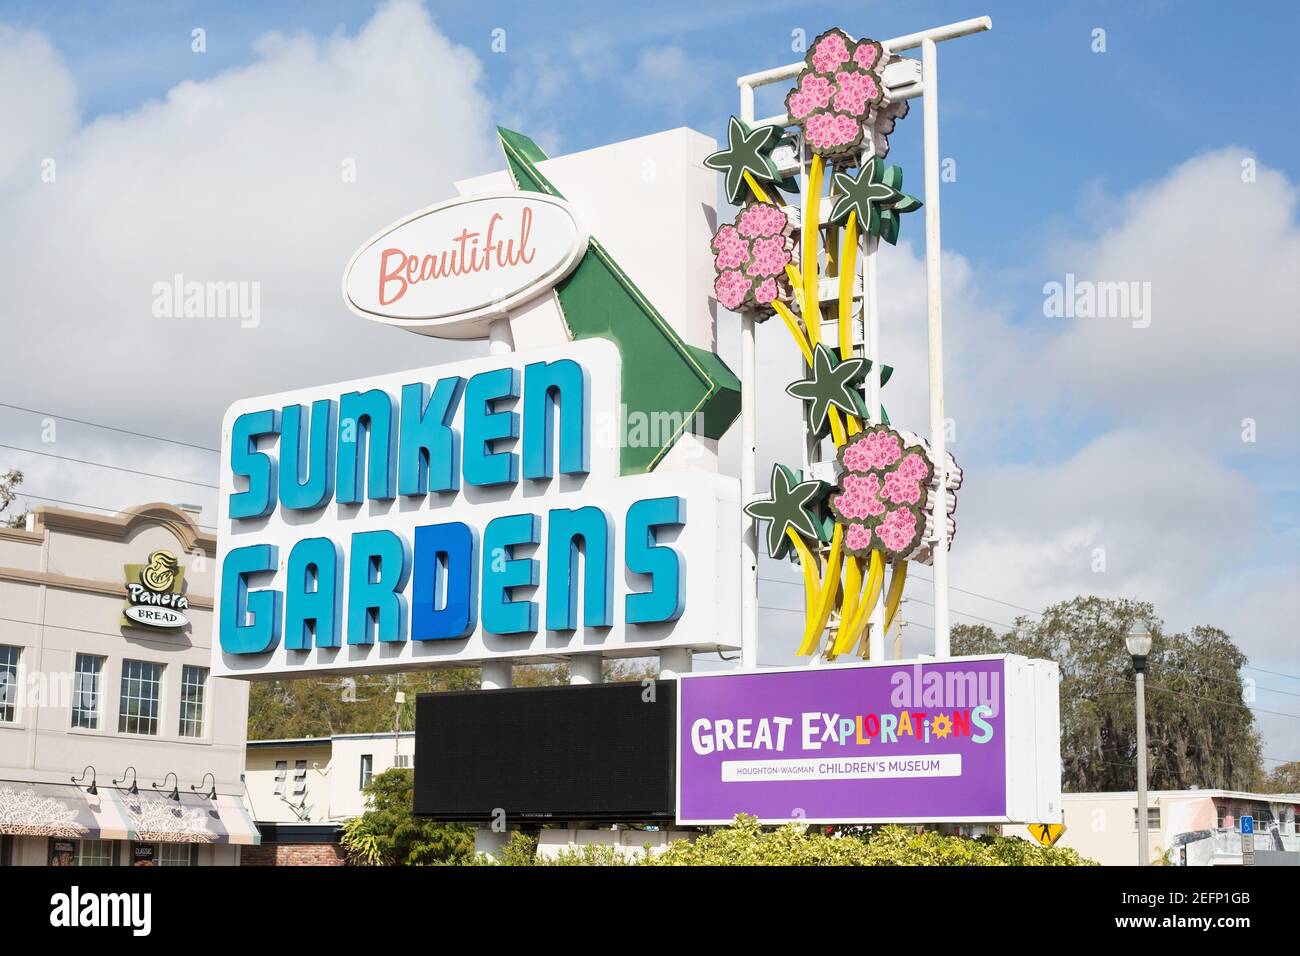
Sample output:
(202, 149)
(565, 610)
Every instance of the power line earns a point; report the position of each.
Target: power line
(1210, 700)
(975, 617)
(100, 464)
(912, 576)
(111, 428)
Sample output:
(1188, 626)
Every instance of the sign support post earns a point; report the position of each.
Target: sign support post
(934, 323)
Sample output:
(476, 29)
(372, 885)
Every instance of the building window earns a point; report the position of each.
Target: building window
(85, 691)
(367, 769)
(281, 769)
(1220, 815)
(1153, 818)
(175, 854)
(299, 777)
(141, 682)
(94, 853)
(194, 683)
(8, 683)
(403, 761)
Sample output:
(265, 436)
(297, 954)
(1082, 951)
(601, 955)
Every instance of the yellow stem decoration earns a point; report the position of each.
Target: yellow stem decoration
(848, 270)
(852, 588)
(811, 582)
(792, 323)
(755, 188)
(873, 596)
(895, 595)
(837, 427)
(816, 622)
(848, 635)
(811, 227)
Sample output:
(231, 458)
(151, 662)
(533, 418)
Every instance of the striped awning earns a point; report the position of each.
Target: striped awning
(70, 812)
(59, 810)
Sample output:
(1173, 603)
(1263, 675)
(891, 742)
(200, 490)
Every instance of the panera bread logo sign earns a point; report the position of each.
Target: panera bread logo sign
(450, 269)
(153, 593)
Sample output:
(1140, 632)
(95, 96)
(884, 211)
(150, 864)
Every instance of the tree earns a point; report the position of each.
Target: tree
(364, 704)
(1199, 731)
(9, 482)
(1284, 778)
(389, 833)
(367, 704)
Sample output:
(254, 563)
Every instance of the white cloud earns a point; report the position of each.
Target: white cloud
(40, 105)
(1081, 434)
(1221, 257)
(235, 178)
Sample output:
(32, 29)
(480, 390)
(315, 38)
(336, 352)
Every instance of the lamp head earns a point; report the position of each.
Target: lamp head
(1138, 643)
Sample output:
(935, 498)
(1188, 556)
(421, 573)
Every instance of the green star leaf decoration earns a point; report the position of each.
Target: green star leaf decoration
(788, 506)
(747, 149)
(873, 195)
(893, 177)
(833, 383)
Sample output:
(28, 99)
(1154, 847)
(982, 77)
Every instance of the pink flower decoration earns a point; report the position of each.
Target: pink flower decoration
(813, 93)
(883, 489)
(858, 537)
(867, 54)
(731, 288)
(860, 498)
(829, 51)
(769, 257)
(731, 249)
(766, 292)
(898, 530)
(841, 83)
(750, 256)
(857, 91)
(761, 220)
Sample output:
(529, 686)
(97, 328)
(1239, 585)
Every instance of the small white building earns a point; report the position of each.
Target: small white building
(319, 779)
(1186, 827)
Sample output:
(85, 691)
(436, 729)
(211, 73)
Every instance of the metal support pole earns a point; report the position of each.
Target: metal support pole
(674, 661)
(748, 467)
(934, 322)
(871, 326)
(496, 675)
(1144, 836)
(501, 340)
(586, 669)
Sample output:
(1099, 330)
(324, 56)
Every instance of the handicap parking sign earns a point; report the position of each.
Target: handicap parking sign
(1247, 826)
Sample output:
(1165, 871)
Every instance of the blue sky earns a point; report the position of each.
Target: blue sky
(1121, 164)
(1036, 120)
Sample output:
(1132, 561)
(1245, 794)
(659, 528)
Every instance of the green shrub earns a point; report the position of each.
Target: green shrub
(746, 843)
(389, 834)
(592, 854)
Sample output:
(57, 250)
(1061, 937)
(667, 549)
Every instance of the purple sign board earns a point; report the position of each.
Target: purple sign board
(963, 739)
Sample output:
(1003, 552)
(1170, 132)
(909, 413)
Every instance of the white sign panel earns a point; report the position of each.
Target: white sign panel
(462, 513)
(449, 269)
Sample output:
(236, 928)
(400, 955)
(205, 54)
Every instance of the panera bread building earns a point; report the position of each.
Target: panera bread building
(105, 644)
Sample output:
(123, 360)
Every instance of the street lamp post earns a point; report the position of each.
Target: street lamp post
(1139, 646)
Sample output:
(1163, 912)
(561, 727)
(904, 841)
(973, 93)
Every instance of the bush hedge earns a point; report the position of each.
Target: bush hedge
(746, 843)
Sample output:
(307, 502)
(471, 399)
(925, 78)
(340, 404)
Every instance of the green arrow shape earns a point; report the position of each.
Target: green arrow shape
(675, 387)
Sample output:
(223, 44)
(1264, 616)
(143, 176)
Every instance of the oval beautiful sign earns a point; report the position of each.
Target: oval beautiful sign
(450, 269)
